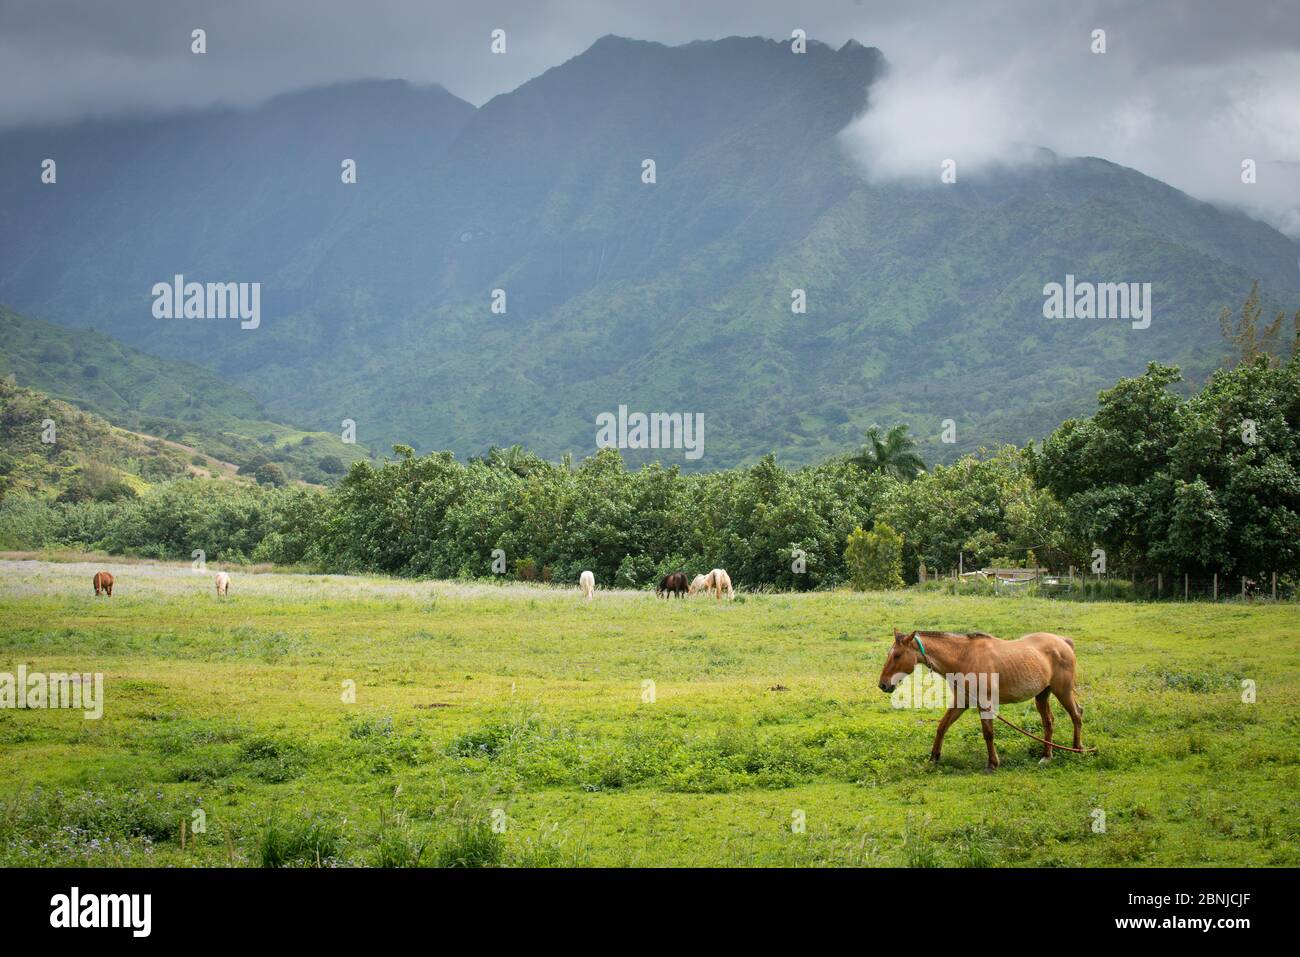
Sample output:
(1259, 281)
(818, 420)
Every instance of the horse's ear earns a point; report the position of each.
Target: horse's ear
(897, 634)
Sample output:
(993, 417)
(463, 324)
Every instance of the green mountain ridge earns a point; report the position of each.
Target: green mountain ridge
(924, 302)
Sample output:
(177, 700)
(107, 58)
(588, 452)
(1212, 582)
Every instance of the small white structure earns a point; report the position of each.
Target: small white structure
(223, 584)
(587, 581)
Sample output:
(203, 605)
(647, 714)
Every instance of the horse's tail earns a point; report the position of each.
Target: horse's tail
(1075, 687)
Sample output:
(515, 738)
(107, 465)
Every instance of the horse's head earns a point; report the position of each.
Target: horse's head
(900, 662)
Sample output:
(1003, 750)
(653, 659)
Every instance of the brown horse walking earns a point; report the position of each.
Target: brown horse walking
(1035, 666)
(103, 582)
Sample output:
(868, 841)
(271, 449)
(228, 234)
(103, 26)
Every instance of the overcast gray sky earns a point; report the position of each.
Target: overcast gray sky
(1186, 90)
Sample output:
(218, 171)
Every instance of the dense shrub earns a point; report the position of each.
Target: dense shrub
(1205, 484)
(875, 558)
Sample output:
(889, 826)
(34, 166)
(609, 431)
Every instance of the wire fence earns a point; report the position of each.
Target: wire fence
(1268, 587)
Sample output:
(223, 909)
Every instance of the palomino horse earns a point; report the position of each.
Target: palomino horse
(718, 581)
(587, 582)
(223, 584)
(673, 584)
(1035, 666)
(699, 583)
(104, 583)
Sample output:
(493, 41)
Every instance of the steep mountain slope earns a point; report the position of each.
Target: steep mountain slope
(86, 457)
(219, 195)
(88, 368)
(178, 402)
(924, 303)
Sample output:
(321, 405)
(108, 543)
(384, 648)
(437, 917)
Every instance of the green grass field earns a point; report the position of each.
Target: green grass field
(506, 725)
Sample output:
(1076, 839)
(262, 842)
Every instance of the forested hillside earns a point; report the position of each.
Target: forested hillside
(1164, 485)
(166, 398)
(924, 300)
(51, 450)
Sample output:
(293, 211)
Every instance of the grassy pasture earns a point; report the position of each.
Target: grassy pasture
(474, 700)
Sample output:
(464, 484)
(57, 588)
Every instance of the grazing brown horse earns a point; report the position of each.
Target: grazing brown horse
(673, 584)
(1035, 666)
(103, 582)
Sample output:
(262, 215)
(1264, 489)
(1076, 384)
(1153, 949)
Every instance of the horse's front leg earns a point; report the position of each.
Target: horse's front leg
(949, 716)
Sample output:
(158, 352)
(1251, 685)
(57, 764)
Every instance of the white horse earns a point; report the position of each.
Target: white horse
(587, 581)
(698, 584)
(718, 581)
(223, 584)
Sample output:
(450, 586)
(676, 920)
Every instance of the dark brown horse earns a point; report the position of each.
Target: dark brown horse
(673, 584)
(103, 582)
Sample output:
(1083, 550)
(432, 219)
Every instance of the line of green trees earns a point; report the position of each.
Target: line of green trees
(1162, 481)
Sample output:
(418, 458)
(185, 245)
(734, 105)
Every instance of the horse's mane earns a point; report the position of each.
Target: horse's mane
(954, 634)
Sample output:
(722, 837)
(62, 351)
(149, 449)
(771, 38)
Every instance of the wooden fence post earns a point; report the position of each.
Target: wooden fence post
(1216, 586)
(1184, 586)
(1275, 586)
(1160, 583)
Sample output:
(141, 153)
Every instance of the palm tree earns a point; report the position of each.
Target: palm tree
(891, 453)
(516, 459)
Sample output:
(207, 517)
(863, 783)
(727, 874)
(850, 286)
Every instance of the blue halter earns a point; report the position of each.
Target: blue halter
(916, 636)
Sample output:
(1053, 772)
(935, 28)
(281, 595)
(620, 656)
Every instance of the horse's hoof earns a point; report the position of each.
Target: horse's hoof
(934, 759)
(1044, 760)
(990, 768)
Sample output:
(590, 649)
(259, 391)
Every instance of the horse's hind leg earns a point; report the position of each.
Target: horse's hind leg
(1044, 702)
(1071, 704)
(986, 724)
